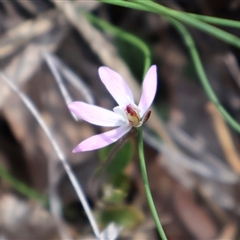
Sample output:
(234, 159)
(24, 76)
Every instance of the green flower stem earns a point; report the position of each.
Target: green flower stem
(21, 187)
(146, 186)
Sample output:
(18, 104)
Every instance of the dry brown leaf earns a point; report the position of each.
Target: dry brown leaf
(228, 232)
(24, 220)
(193, 216)
(25, 64)
(29, 6)
(225, 138)
(26, 31)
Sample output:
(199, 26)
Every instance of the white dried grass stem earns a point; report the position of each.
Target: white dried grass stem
(72, 78)
(59, 153)
(59, 81)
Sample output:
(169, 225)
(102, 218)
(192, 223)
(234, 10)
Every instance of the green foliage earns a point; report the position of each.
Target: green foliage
(127, 216)
(120, 160)
(22, 187)
(118, 183)
(116, 189)
(113, 194)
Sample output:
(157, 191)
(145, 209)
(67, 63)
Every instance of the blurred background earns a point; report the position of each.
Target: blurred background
(192, 155)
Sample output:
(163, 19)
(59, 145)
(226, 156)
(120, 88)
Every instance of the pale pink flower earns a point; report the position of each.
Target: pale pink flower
(124, 116)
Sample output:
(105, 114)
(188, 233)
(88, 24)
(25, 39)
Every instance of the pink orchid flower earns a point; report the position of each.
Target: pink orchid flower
(124, 116)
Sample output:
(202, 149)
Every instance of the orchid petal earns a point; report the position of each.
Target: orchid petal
(96, 115)
(116, 85)
(149, 88)
(102, 140)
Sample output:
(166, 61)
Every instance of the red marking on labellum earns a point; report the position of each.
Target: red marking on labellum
(133, 115)
(130, 110)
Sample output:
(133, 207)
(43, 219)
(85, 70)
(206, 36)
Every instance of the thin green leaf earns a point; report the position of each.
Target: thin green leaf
(22, 187)
(120, 160)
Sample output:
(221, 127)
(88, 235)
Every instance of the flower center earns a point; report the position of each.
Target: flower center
(133, 116)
